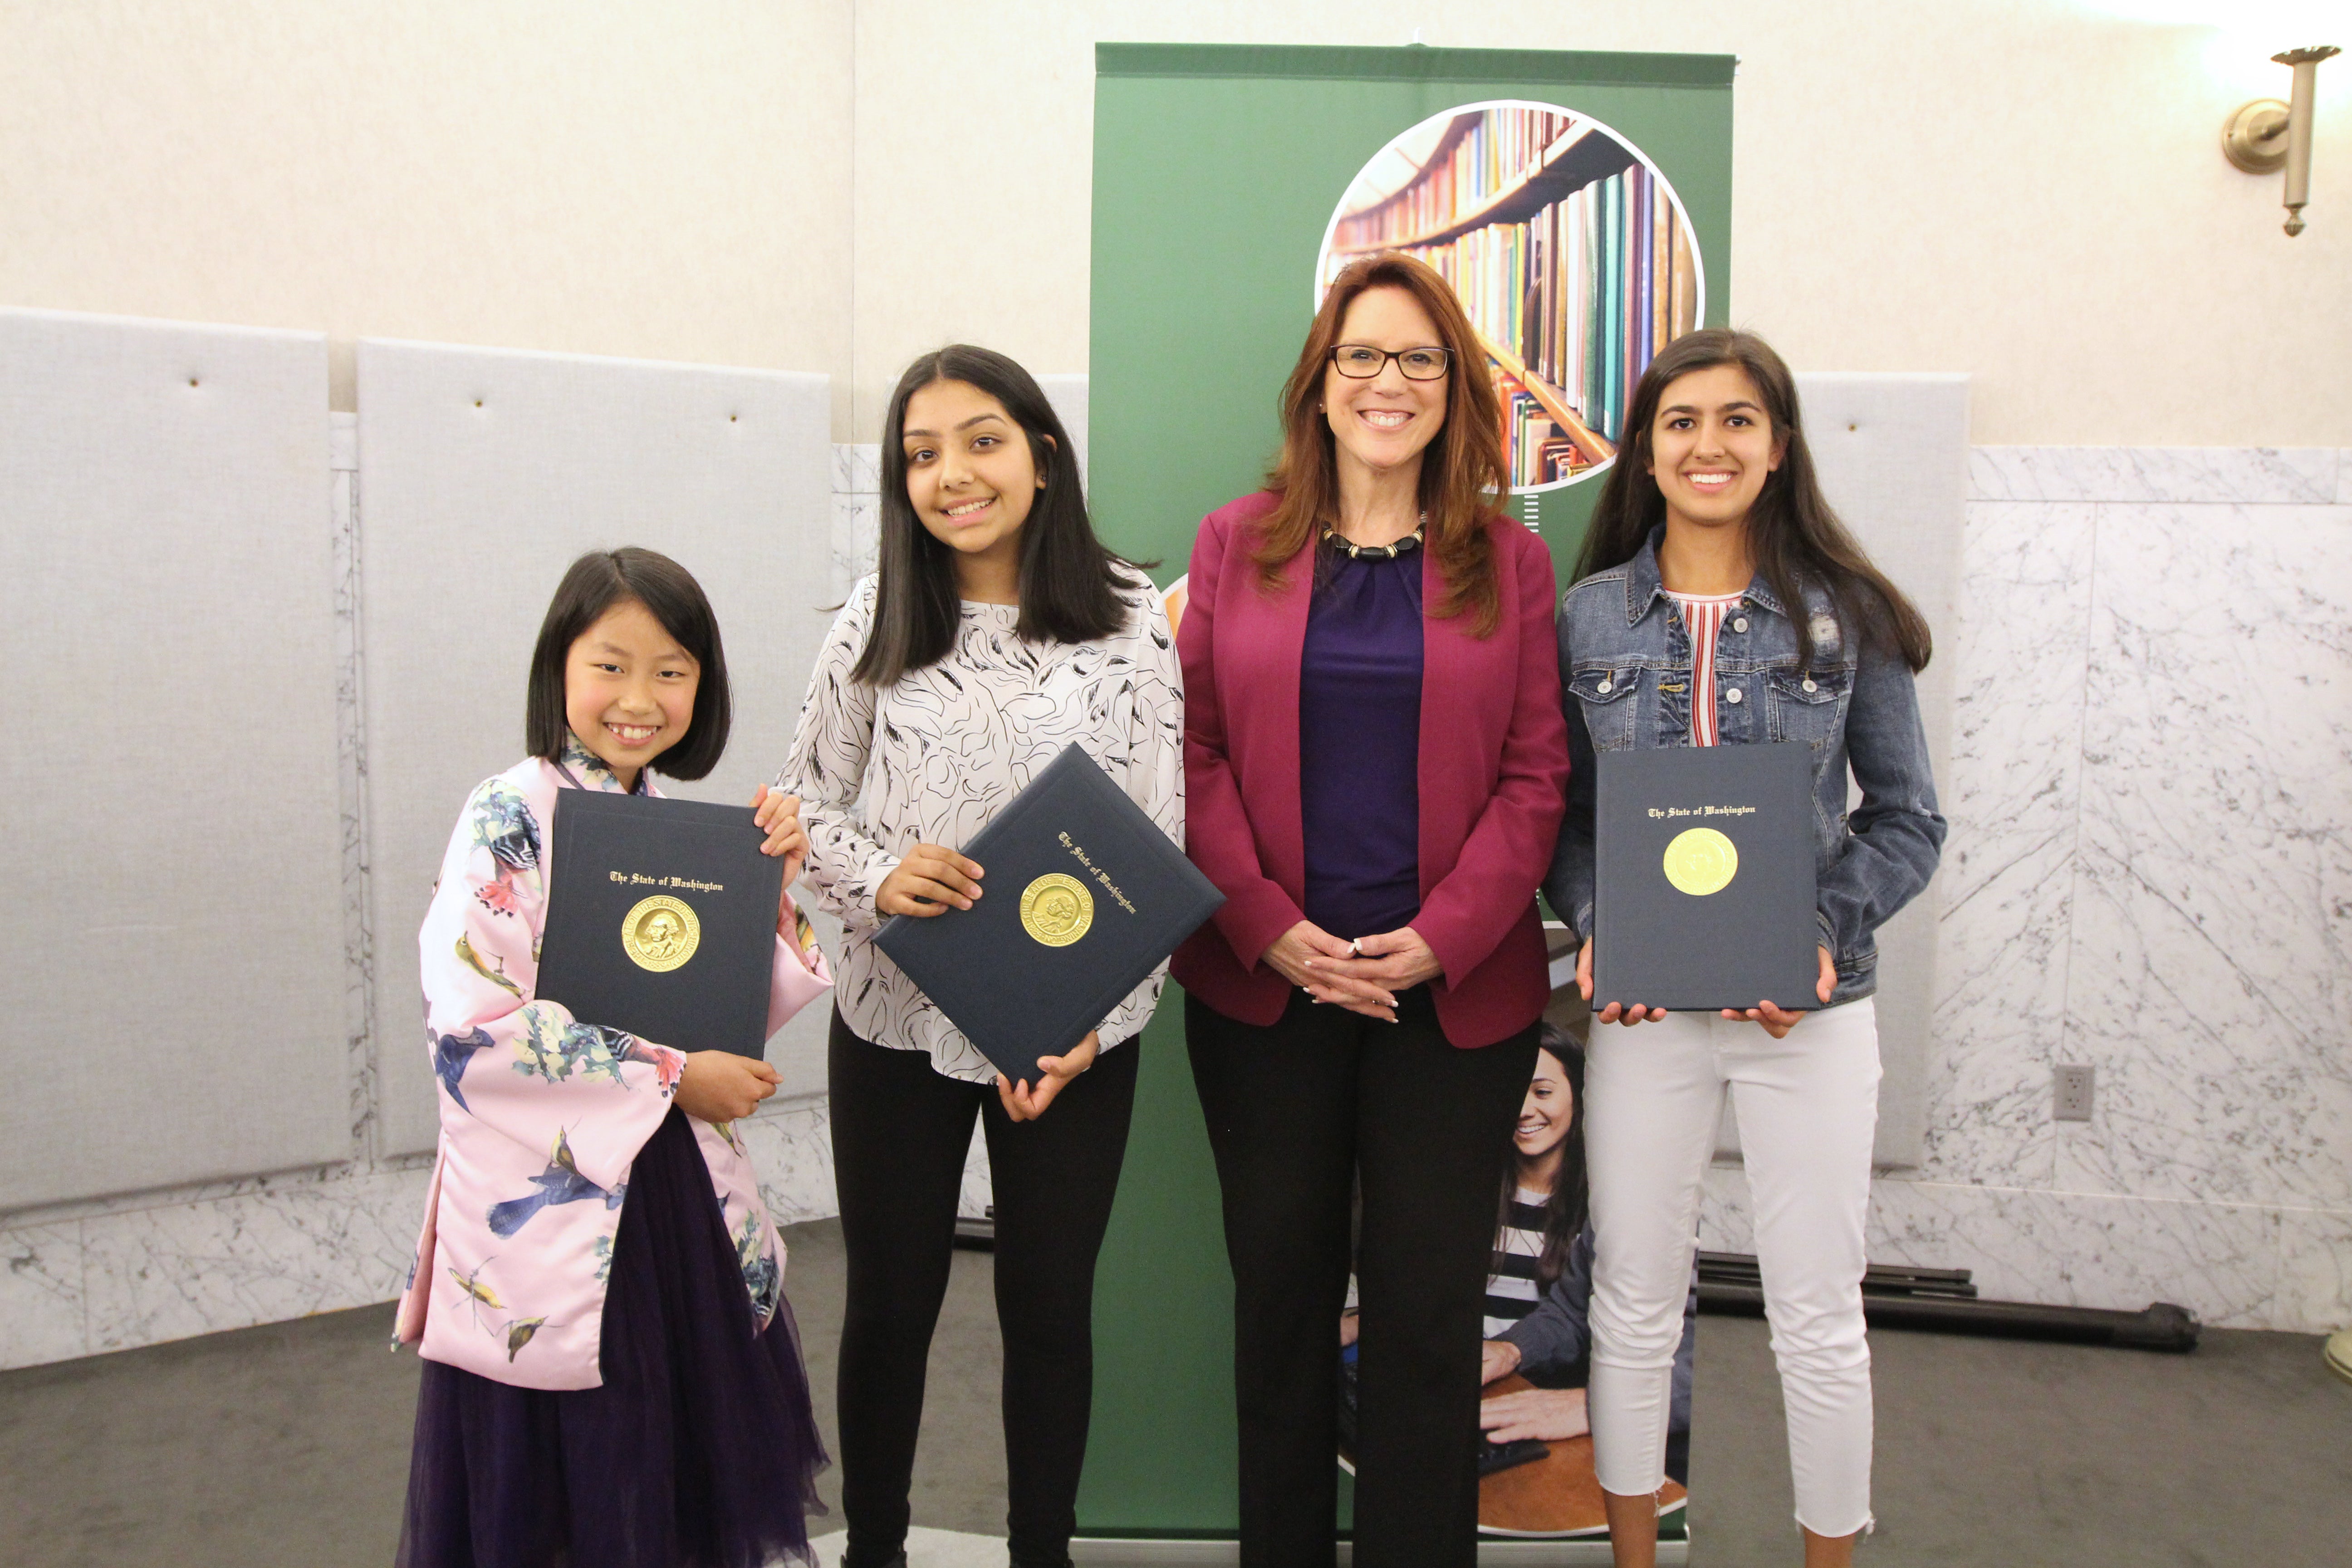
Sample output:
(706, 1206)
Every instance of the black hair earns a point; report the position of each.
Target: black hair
(1564, 1211)
(1069, 580)
(1793, 535)
(594, 585)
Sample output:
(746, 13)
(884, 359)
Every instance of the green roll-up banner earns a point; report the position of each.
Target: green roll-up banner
(1581, 206)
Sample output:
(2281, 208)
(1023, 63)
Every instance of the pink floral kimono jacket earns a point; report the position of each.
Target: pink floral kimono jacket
(542, 1114)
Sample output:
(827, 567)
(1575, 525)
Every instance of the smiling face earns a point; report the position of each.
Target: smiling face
(1548, 1110)
(970, 476)
(1383, 423)
(628, 690)
(1712, 447)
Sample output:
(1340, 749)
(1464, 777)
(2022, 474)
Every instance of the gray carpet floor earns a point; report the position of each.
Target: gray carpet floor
(288, 1445)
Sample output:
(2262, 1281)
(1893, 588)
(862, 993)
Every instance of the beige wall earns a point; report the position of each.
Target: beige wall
(665, 181)
(2028, 191)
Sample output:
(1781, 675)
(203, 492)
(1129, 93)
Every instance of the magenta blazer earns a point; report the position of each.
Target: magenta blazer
(1493, 769)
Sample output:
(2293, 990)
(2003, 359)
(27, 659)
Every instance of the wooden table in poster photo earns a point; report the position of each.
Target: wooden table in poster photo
(1554, 1495)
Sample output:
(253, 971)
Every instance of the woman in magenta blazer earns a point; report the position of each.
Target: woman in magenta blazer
(1374, 759)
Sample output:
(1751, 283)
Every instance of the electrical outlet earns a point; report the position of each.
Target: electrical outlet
(2072, 1094)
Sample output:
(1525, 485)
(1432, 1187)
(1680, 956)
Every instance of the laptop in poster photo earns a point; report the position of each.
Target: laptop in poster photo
(1703, 884)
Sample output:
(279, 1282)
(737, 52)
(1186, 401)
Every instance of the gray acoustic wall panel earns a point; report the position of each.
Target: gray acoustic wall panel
(483, 473)
(1893, 451)
(172, 1006)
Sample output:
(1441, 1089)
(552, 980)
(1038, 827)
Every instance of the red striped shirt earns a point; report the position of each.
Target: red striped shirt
(1703, 613)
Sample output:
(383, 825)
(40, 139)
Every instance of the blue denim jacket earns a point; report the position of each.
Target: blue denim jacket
(1625, 679)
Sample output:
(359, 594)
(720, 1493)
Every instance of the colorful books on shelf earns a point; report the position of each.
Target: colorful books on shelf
(1585, 293)
(1481, 156)
(1541, 453)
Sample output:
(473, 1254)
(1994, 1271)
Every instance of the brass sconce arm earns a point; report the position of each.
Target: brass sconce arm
(2266, 135)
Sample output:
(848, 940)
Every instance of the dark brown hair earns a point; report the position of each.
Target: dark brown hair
(1462, 472)
(1564, 1211)
(1069, 581)
(1793, 536)
(595, 583)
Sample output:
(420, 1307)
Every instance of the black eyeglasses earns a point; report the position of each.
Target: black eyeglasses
(1362, 361)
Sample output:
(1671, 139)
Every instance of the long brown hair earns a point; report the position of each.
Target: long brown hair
(1564, 1212)
(1462, 469)
(1069, 579)
(1793, 534)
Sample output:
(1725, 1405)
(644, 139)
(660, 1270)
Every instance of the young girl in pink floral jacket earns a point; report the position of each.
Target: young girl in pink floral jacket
(612, 1375)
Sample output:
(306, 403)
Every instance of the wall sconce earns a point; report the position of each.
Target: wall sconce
(2264, 135)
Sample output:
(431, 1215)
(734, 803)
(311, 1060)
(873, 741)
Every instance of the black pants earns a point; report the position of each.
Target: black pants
(900, 1132)
(1296, 1113)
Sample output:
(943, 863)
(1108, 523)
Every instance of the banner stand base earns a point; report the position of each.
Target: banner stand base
(1112, 1552)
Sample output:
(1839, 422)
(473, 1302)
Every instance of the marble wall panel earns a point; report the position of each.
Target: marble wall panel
(791, 1144)
(856, 522)
(865, 466)
(42, 1314)
(2228, 1263)
(2220, 1260)
(2315, 1269)
(2013, 797)
(857, 513)
(1727, 1222)
(2249, 475)
(2210, 981)
(350, 760)
(193, 1268)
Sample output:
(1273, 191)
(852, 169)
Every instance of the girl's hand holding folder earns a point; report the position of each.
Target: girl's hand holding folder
(927, 881)
(720, 1086)
(1776, 1023)
(779, 816)
(1027, 1101)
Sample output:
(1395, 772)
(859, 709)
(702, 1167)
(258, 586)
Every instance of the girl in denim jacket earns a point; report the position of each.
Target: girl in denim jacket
(1719, 601)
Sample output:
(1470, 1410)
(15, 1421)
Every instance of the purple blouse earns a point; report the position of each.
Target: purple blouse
(1360, 743)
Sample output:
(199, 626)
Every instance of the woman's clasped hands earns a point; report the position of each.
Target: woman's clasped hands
(1363, 976)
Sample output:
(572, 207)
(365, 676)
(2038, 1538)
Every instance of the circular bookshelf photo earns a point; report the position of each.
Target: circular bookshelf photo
(1569, 250)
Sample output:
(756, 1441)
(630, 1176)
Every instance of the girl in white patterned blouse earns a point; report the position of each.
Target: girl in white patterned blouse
(997, 630)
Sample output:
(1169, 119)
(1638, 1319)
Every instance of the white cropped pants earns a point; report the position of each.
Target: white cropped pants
(1807, 1108)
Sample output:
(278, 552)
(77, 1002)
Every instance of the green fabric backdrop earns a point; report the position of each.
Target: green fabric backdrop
(1215, 170)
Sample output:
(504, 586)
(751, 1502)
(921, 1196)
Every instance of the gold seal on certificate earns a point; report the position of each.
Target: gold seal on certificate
(1057, 908)
(660, 933)
(1701, 861)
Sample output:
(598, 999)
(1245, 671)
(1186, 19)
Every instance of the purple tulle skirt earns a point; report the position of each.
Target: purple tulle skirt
(700, 1451)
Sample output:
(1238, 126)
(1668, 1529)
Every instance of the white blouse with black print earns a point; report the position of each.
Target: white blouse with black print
(931, 758)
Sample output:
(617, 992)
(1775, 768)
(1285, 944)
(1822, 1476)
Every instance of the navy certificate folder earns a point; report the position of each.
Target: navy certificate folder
(1703, 884)
(661, 920)
(1082, 896)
